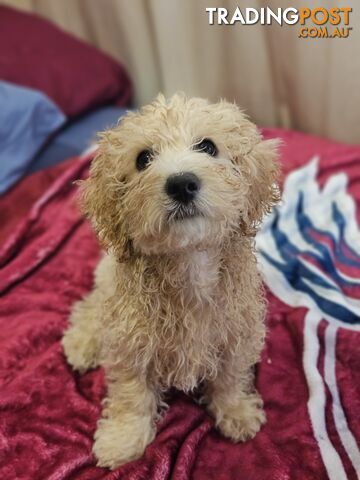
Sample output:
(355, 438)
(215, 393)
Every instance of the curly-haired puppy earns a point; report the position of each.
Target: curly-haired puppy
(175, 195)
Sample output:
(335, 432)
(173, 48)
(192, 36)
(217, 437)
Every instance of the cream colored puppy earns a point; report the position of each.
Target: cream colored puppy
(175, 195)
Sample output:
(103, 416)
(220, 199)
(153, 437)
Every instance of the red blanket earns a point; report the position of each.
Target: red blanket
(49, 413)
(17, 202)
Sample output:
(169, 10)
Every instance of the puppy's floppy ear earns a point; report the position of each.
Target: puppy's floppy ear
(261, 171)
(100, 200)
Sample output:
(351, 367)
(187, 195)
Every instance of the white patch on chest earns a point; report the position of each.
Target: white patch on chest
(203, 273)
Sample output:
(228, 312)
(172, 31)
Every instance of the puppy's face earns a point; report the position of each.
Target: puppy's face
(179, 174)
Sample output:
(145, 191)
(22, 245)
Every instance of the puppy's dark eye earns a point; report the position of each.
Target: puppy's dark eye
(143, 159)
(206, 146)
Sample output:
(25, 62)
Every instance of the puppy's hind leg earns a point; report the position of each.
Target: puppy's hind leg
(81, 340)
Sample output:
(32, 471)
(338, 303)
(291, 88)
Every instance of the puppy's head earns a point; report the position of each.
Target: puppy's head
(179, 174)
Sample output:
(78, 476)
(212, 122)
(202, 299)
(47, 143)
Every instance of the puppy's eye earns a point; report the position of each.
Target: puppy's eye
(206, 146)
(143, 159)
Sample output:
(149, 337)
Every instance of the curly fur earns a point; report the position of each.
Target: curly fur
(175, 303)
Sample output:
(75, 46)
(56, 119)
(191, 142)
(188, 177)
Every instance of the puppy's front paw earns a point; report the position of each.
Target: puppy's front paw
(242, 421)
(120, 441)
(80, 348)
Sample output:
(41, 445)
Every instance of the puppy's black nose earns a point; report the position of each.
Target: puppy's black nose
(182, 187)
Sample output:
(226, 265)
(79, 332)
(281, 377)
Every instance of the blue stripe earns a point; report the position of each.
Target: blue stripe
(327, 306)
(305, 224)
(290, 254)
(326, 259)
(340, 222)
(296, 272)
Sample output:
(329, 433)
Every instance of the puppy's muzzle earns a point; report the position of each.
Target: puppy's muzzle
(183, 187)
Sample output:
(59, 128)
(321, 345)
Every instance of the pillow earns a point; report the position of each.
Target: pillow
(76, 76)
(27, 119)
(76, 137)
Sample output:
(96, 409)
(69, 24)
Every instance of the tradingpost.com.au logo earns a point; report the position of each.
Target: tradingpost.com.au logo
(317, 22)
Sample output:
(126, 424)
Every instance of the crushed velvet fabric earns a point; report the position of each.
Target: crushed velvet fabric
(48, 413)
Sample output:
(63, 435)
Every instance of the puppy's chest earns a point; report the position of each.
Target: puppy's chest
(201, 279)
(189, 350)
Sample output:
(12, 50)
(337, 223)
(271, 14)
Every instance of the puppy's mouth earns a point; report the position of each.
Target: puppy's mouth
(182, 212)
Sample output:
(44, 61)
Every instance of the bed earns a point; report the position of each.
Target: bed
(74, 138)
(56, 94)
(308, 376)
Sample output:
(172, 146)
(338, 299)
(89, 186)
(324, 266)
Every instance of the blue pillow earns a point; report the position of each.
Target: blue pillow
(27, 119)
(76, 136)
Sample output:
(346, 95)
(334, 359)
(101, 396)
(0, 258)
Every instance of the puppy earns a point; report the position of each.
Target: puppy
(175, 195)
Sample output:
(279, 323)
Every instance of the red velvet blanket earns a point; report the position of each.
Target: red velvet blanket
(17, 201)
(309, 375)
